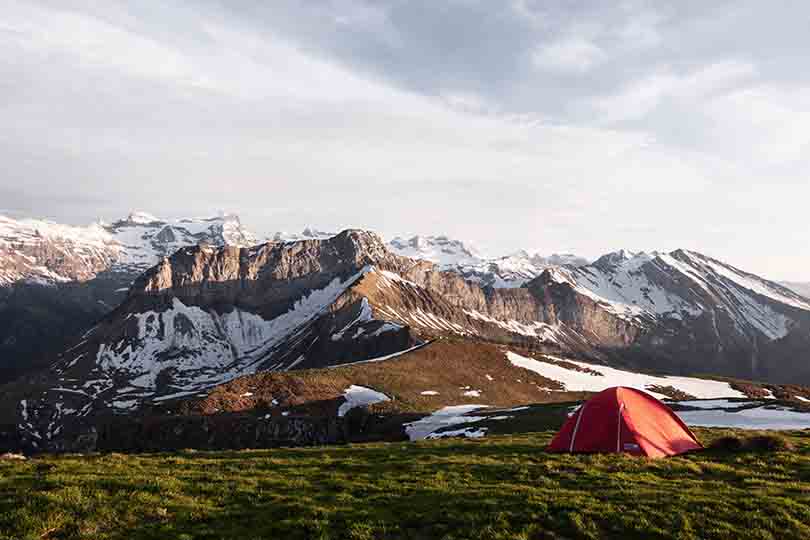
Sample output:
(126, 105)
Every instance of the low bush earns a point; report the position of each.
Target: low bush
(756, 443)
(728, 444)
(768, 443)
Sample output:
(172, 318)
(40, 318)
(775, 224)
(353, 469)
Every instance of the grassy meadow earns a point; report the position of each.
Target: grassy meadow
(502, 487)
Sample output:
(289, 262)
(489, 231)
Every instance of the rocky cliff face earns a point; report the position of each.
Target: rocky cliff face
(56, 280)
(255, 276)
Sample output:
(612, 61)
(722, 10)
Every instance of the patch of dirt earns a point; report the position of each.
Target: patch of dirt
(750, 389)
(792, 392)
(671, 392)
(565, 364)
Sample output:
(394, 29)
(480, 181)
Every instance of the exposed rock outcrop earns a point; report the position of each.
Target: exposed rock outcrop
(207, 315)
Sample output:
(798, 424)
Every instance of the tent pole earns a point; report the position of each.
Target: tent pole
(576, 426)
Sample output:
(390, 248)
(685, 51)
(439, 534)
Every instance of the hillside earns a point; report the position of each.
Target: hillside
(208, 315)
(459, 372)
(487, 489)
(453, 383)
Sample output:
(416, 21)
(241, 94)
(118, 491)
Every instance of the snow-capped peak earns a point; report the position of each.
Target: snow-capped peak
(145, 239)
(142, 218)
(706, 266)
(440, 249)
(47, 252)
(309, 233)
(648, 286)
(619, 257)
(559, 259)
(519, 254)
(28, 230)
(312, 232)
(500, 272)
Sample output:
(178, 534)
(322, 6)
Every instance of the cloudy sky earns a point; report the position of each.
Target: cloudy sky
(560, 126)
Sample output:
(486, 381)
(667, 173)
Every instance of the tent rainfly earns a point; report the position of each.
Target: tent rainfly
(624, 420)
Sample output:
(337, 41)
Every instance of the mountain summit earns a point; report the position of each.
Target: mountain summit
(500, 272)
(48, 253)
(207, 315)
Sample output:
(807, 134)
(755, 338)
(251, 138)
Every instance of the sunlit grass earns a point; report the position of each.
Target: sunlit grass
(497, 488)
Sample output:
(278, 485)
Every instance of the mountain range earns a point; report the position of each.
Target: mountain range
(164, 313)
(57, 280)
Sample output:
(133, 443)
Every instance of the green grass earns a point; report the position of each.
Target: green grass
(502, 487)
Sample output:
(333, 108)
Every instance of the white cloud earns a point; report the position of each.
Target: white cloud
(92, 42)
(173, 107)
(642, 96)
(767, 122)
(467, 102)
(641, 30)
(575, 54)
(529, 12)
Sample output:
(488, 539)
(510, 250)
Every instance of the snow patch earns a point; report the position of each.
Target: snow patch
(447, 416)
(360, 396)
(470, 433)
(579, 381)
(365, 315)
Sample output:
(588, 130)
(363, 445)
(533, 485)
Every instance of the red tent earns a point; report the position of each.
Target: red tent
(625, 420)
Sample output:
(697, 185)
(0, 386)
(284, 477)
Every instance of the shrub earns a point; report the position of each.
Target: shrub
(768, 443)
(756, 443)
(728, 444)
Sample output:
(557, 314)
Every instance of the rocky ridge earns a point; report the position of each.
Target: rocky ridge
(208, 315)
